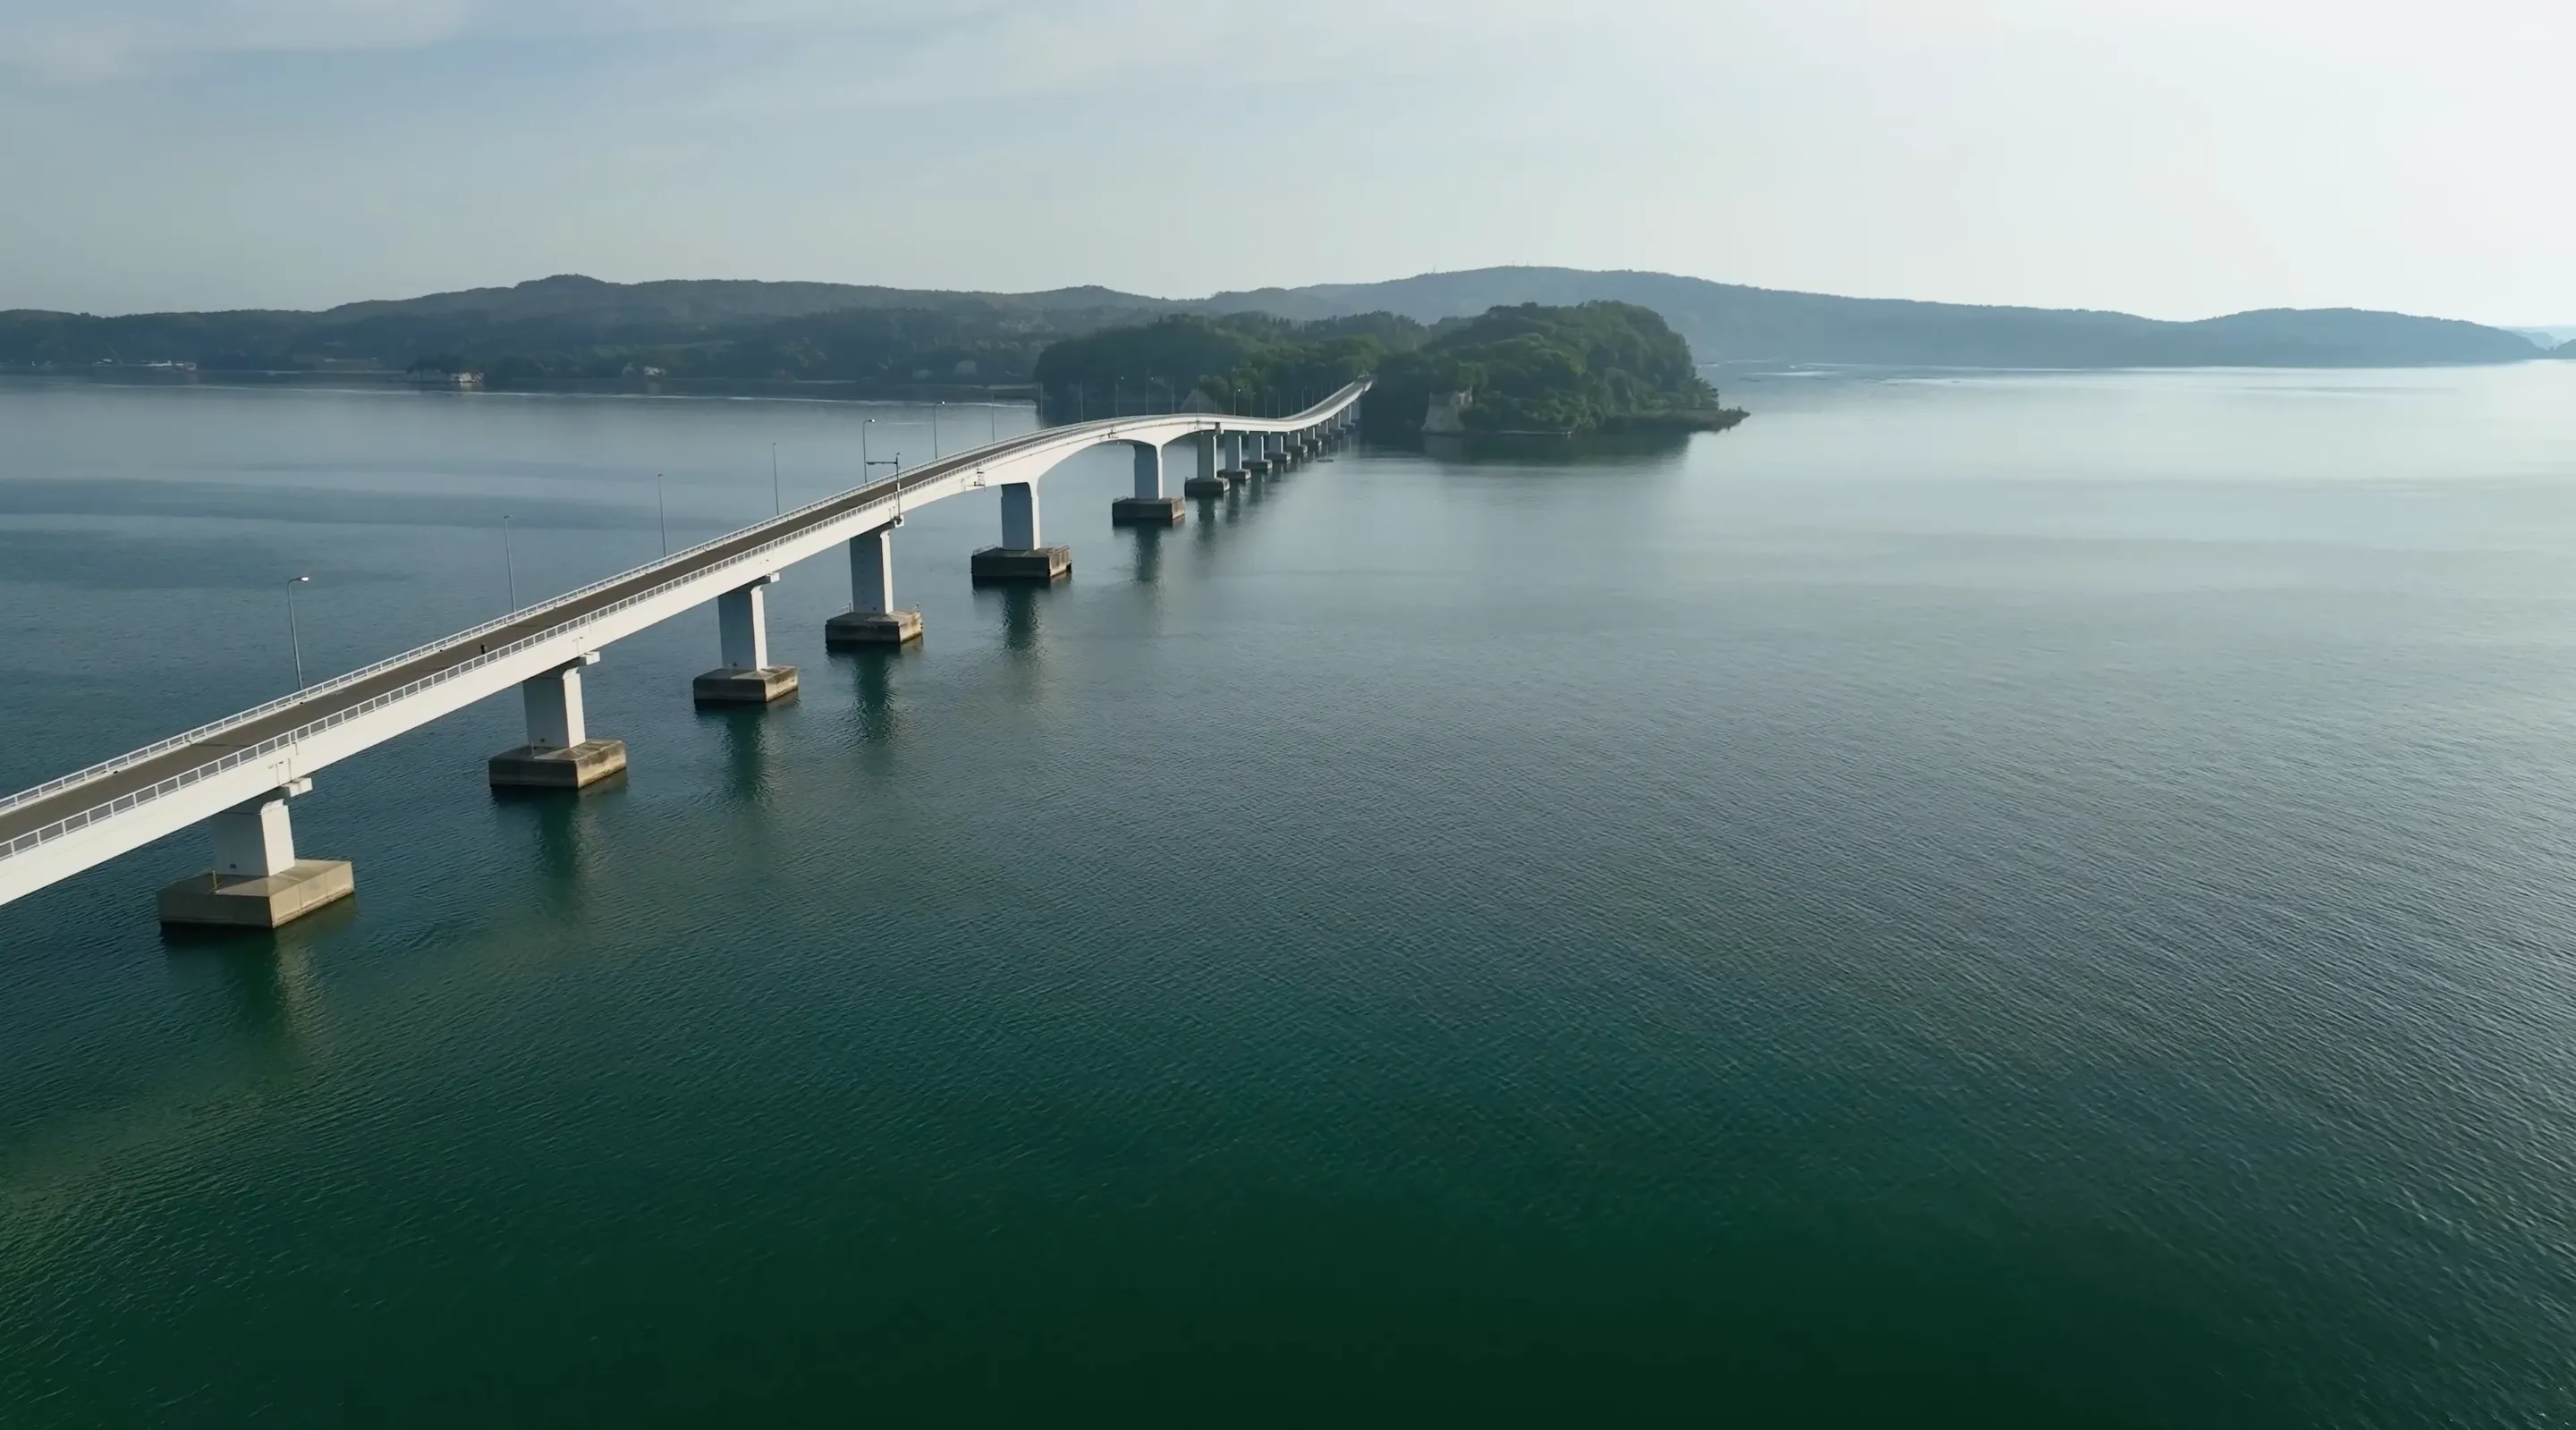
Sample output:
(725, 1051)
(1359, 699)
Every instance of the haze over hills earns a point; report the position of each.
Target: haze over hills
(570, 326)
(1725, 322)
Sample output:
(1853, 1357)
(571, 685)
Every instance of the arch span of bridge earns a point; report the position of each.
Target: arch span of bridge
(236, 774)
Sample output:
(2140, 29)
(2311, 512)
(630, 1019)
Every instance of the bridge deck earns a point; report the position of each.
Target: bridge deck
(120, 803)
(89, 794)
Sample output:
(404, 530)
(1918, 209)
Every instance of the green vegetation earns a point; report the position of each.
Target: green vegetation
(1593, 367)
(1243, 362)
(1589, 368)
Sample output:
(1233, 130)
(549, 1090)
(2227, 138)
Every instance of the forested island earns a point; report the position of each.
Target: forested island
(1525, 370)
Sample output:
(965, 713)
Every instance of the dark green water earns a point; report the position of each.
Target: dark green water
(2035, 901)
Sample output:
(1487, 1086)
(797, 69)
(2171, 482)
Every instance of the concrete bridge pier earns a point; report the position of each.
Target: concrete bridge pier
(257, 882)
(746, 677)
(1229, 466)
(1148, 507)
(872, 622)
(560, 753)
(1206, 482)
(1020, 558)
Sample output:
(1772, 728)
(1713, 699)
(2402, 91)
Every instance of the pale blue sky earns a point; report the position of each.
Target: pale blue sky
(2179, 158)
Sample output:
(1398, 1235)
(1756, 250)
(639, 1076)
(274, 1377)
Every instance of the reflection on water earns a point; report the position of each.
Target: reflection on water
(558, 827)
(1597, 449)
(266, 977)
(1148, 551)
(1020, 606)
(876, 720)
(747, 731)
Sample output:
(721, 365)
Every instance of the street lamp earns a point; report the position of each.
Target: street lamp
(662, 513)
(934, 428)
(294, 637)
(509, 567)
(866, 462)
(776, 504)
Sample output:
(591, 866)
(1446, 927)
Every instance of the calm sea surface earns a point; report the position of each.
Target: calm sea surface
(2032, 900)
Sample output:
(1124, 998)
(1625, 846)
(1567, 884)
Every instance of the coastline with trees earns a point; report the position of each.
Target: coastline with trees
(1521, 370)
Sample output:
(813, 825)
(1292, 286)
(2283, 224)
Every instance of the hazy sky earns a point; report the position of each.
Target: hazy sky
(2179, 157)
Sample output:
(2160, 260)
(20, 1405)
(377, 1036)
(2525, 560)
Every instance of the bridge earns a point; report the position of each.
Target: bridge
(236, 775)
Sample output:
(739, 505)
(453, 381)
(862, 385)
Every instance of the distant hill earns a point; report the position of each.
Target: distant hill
(1725, 322)
(707, 300)
(570, 327)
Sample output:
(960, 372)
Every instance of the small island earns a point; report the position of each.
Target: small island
(1536, 371)
(1522, 371)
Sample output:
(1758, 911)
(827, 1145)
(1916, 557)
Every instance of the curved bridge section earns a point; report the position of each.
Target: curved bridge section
(237, 774)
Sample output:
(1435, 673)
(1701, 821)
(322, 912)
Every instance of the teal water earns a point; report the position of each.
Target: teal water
(2035, 900)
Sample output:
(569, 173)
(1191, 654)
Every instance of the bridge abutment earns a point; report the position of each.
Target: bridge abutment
(746, 677)
(560, 753)
(1020, 559)
(872, 622)
(257, 882)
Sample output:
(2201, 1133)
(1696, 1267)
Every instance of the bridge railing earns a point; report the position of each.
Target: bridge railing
(368, 672)
(853, 501)
(235, 758)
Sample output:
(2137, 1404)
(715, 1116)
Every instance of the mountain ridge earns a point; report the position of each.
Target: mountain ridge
(1722, 323)
(1726, 322)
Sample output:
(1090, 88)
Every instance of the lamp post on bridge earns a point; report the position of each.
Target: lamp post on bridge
(509, 565)
(295, 637)
(867, 462)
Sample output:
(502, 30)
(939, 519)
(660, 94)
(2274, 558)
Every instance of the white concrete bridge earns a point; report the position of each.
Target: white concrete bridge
(236, 775)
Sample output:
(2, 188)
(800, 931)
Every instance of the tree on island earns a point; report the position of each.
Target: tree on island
(1242, 362)
(1529, 369)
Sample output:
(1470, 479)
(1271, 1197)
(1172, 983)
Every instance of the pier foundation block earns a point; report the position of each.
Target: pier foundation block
(1035, 565)
(262, 901)
(727, 686)
(1150, 511)
(538, 767)
(871, 630)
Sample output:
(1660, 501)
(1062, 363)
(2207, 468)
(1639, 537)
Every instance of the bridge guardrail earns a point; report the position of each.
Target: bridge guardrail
(274, 743)
(896, 487)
